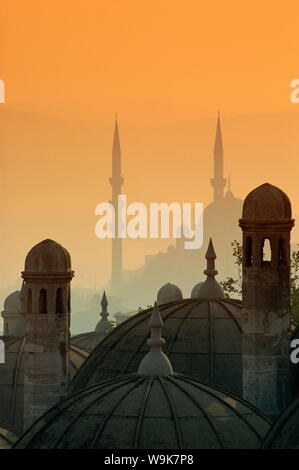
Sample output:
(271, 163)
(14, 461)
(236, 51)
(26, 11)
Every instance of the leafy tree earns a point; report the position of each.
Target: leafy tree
(233, 286)
(230, 285)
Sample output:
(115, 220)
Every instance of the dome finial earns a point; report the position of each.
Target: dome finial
(210, 257)
(104, 303)
(210, 289)
(155, 362)
(104, 325)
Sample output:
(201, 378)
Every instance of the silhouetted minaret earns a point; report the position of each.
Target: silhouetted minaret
(218, 182)
(116, 182)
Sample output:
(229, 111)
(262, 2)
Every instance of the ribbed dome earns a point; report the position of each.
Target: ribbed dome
(7, 438)
(46, 257)
(169, 293)
(284, 433)
(267, 202)
(203, 340)
(12, 303)
(143, 412)
(88, 340)
(12, 379)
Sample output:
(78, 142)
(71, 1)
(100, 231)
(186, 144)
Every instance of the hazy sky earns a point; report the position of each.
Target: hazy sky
(165, 67)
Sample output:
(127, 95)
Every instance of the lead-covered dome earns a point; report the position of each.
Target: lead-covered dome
(169, 293)
(48, 256)
(12, 303)
(7, 437)
(267, 202)
(284, 433)
(203, 340)
(149, 412)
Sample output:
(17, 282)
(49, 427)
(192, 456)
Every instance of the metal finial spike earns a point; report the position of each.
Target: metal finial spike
(210, 254)
(155, 320)
(155, 362)
(210, 257)
(104, 301)
(210, 289)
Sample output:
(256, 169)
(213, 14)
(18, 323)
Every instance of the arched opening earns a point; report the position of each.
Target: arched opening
(59, 301)
(43, 307)
(266, 251)
(281, 252)
(29, 301)
(248, 252)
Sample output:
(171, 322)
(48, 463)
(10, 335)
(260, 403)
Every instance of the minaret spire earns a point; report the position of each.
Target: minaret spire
(218, 182)
(116, 182)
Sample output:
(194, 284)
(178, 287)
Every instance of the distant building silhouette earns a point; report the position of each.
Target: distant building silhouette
(177, 265)
(218, 182)
(116, 182)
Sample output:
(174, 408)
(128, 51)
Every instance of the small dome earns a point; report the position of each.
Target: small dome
(149, 412)
(284, 433)
(48, 256)
(267, 202)
(8, 437)
(195, 290)
(169, 293)
(12, 303)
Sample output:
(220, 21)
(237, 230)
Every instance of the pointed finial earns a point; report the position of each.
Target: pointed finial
(104, 325)
(228, 184)
(155, 362)
(104, 303)
(210, 254)
(211, 290)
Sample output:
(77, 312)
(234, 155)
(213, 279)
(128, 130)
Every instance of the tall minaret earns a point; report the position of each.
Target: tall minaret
(116, 182)
(218, 182)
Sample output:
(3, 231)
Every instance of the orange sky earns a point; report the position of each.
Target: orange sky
(166, 67)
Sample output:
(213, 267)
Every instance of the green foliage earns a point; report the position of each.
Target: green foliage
(234, 286)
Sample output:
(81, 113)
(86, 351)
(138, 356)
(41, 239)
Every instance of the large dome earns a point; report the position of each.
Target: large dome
(284, 433)
(7, 438)
(12, 379)
(203, 340)
(46, 257)
(88, 340)
(267, 202)
(144, 412)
